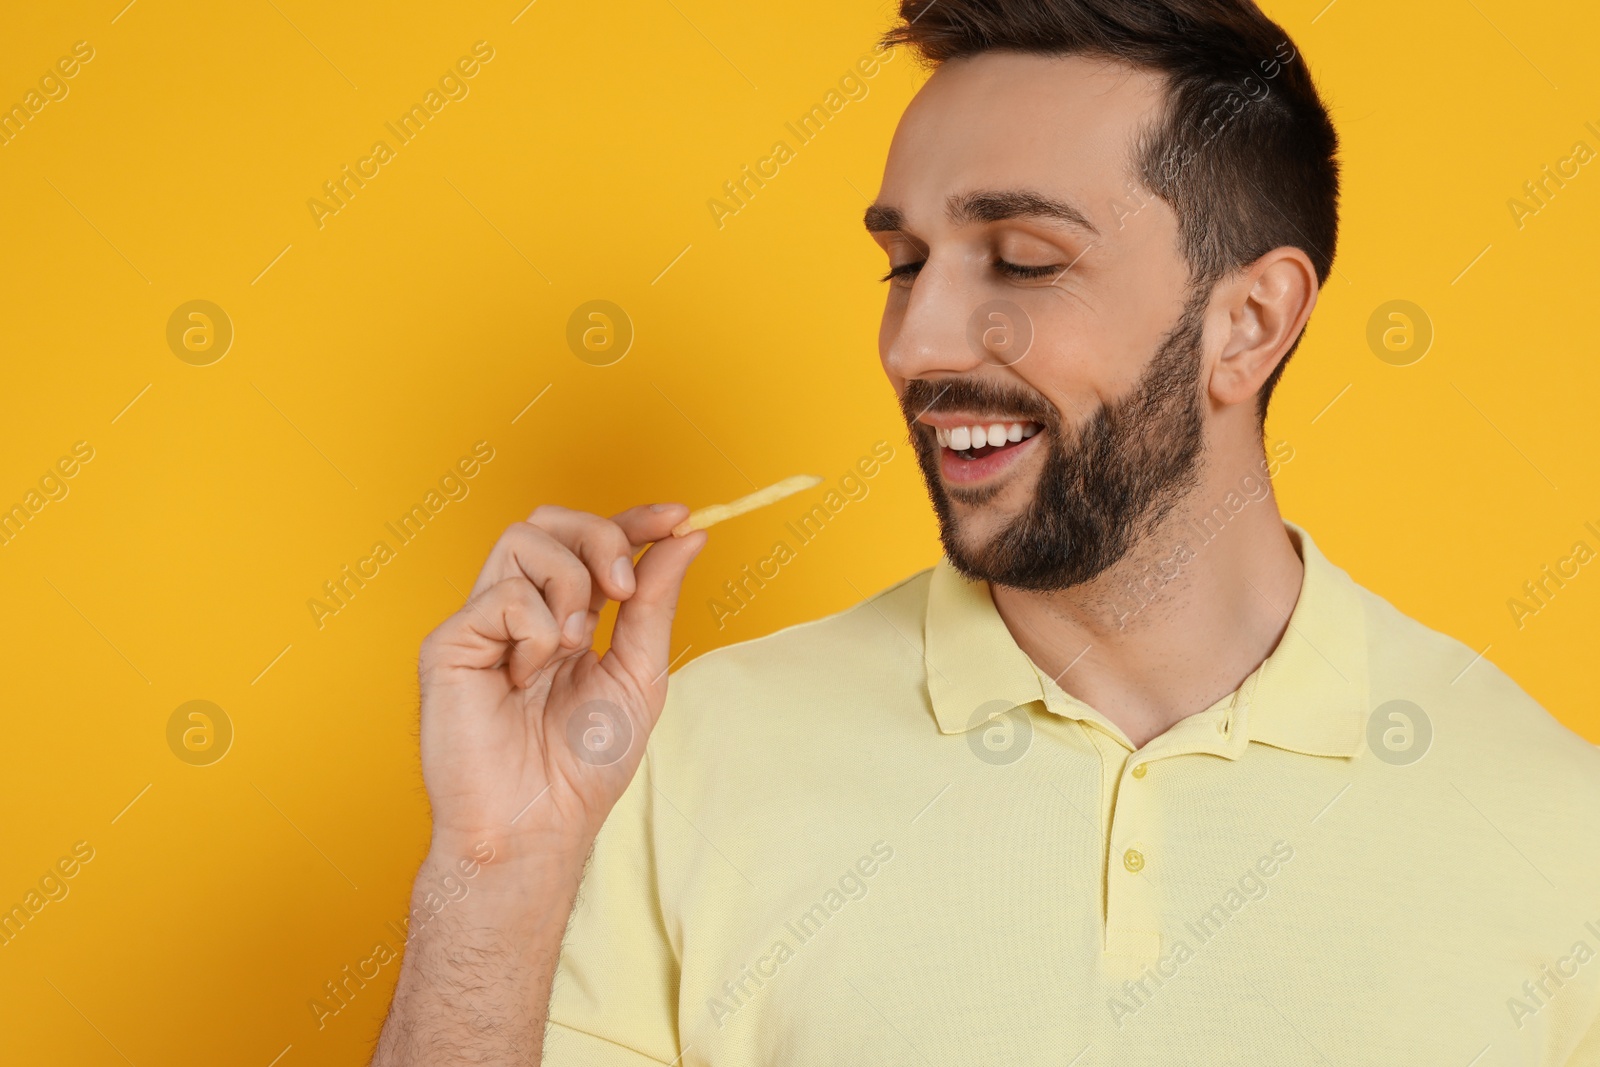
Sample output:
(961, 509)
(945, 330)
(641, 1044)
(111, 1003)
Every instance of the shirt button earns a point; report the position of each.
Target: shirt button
(1138, 772)
(1133, 859)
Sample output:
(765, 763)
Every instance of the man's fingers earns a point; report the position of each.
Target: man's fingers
(643, 633)
(528, 552)
(507, 622)
(607, 546)
(650, 522)
(601, 544)
(577, 560)
(643, 525)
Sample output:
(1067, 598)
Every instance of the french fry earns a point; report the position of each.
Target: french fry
(715, 513)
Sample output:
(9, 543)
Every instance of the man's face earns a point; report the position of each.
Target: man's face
(1096, 355)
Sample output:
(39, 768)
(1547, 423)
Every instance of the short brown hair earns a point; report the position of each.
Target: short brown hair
(1244, 173)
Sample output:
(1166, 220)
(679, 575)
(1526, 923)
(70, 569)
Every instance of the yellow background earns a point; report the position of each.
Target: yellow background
(371, 353)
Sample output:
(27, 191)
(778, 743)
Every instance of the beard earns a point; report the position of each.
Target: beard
(1098, 495)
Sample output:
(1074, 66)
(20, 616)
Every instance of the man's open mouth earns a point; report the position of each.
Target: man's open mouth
(977, 441)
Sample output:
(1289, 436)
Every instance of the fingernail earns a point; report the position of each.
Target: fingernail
(572, 629)
(658, 507)
(622, 574)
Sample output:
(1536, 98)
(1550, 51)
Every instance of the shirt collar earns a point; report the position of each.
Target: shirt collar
(1308, 696)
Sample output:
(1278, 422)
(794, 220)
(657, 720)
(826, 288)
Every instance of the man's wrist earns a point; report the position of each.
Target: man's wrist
(527, 879)
(530, 855)
(470, 893)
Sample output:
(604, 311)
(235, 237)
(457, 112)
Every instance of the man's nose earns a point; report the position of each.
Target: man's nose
(931, 335)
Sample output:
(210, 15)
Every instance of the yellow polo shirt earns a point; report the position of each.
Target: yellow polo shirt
(885, 837)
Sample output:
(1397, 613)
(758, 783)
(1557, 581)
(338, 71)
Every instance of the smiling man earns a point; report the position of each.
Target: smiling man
(1134, 775)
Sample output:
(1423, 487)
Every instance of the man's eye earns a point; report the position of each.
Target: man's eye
(1016, 271)
(1013, 270)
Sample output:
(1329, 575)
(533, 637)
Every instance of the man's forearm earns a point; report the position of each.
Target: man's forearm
(474, 985)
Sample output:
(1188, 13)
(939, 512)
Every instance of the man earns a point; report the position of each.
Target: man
(1134, 775)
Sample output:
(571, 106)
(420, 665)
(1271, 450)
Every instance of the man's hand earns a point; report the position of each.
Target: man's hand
(527, 735)
(528, 741)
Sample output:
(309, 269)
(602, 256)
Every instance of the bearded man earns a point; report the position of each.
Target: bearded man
(1134, 775)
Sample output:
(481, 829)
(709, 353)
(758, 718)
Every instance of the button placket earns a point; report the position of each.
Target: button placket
(1132, 904)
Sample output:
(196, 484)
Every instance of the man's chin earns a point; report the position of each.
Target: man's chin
(971, 533)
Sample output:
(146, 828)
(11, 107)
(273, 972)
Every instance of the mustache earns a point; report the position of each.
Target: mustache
(968, 394)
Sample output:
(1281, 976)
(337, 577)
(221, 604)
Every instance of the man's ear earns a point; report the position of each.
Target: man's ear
(1267, 305)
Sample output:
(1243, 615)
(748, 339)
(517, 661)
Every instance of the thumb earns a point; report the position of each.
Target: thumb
(642, 637)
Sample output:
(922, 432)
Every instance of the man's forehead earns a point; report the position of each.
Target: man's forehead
(1012, 121)
(1016, 90)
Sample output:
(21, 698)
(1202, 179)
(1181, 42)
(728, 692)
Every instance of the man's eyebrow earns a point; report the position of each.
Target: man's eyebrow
(881, 218)
(990, 205)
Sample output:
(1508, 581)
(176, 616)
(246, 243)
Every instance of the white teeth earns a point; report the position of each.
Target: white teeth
(962, 438)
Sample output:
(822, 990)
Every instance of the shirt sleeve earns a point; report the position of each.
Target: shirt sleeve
(615, 995)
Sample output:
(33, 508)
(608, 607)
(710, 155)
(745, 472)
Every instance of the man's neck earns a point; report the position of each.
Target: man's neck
(1176, 625)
